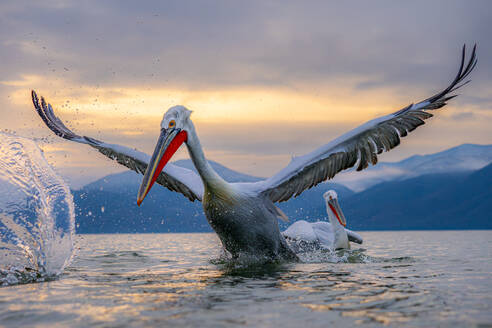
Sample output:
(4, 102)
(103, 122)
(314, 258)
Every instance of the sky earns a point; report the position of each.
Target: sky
(266, 80)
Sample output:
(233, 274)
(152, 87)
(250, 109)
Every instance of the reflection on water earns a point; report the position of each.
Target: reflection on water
(402, 279)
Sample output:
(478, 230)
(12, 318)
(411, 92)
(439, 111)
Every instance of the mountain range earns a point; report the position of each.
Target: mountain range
(446, 190)
(463, 158)
(433, 201)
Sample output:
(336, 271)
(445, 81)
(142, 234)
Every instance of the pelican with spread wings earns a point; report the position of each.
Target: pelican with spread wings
(244, 215)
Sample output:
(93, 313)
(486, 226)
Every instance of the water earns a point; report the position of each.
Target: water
(36, 214)
(403, 279)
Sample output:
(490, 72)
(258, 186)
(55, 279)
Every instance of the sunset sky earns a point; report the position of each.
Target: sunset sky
(265, 80)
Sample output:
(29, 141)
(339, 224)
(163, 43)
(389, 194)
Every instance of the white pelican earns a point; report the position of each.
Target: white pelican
(325, 235)
(243, 214)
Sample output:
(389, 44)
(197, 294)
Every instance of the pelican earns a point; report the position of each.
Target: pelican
(323, 235)
(244, 215)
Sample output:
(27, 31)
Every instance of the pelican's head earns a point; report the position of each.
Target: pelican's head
(175, 126)
(332, 206)
(176, 117)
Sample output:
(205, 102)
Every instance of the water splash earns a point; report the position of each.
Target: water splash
(338, 256)
(314, 250)
(36, 214)
(306, 252)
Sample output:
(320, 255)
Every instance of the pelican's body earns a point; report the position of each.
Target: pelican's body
(330, 235)
(245, 223)
(243, 214)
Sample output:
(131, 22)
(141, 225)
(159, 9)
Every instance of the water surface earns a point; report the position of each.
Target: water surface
(411, 278)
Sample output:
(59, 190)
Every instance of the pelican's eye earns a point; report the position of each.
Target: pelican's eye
(172, 123)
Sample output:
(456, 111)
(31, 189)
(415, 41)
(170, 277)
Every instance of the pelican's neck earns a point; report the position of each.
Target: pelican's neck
(333, 219)
(209, 177)
(340, 235)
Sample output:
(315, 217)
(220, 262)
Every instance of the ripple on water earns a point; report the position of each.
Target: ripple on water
(179, 286)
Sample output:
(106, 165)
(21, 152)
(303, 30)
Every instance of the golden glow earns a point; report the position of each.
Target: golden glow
(135, 111)
(255, 130)
(329, 103)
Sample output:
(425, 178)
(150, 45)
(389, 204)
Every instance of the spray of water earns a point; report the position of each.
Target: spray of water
(36, 214)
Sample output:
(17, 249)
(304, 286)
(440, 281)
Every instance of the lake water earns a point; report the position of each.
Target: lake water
(406, 278)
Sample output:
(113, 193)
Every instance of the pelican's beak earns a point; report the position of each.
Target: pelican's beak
(168, 143)
(337, 210)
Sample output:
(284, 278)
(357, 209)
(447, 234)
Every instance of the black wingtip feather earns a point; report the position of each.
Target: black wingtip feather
(463, 72)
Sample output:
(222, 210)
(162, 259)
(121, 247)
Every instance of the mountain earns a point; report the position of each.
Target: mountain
(463, 158)
(226, 173)
(103, 208)
(108, 205)
(435, 191)
(434, 201)
(466, 157)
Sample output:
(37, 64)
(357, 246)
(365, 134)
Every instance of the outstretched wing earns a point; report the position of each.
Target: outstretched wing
(359, 146)
(172, 177)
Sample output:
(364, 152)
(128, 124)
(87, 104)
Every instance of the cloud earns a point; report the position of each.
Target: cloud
(265, 80)
(462, 116)
(248, 43)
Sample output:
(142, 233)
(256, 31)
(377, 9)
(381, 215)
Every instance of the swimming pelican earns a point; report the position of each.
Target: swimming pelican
(243, 214)
(325, 235)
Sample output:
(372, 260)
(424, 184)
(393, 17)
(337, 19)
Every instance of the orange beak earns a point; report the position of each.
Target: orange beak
(335, 208)
(168, 143)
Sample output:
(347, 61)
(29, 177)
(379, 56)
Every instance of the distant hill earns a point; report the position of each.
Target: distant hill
(466, 157)
(444, 196)
(108, 205)
(226, 173)
(463, 158)
(433, 201)
(114, 182)
(108, 209)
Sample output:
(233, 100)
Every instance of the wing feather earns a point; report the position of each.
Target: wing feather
(360, 146)
(173, 177)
